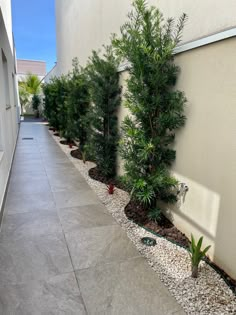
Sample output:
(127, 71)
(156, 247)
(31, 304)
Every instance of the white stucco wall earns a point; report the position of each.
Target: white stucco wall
(8, 101)
(85, 25)
(5, 6)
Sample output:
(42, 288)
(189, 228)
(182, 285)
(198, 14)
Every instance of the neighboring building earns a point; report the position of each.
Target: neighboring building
(206, 147)
(9, 104)
(24, 67)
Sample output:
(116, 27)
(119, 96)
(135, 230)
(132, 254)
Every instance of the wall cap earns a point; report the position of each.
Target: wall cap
(192, 45)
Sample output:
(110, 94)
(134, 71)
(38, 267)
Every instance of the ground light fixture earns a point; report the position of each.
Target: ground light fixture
(148, 241)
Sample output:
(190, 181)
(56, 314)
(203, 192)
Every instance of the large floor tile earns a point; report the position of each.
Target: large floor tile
(71, 173)
(58, 163)
(28, 167)
(35, 259)
(129, 287)
(24, 178)
(72, 198)
(29, 202)
(30, 224)
(91, 246)
(55, 296)
(32, 186)
(67, 182)
(20, 157)
(84, 217)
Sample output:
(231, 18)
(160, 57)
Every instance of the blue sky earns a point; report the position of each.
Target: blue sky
(34, 30)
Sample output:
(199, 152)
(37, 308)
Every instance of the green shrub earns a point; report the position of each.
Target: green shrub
(196, 254)
(50, 91)
(105, 97)
(147, 42)
(155, 214)
(62, 86)
(78, 104)
(36, 101)
(55, 102)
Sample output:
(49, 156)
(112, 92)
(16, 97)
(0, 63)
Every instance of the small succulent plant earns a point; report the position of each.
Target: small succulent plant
(111, 189)
(196, 254)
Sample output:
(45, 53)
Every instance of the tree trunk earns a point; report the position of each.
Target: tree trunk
(194, 271)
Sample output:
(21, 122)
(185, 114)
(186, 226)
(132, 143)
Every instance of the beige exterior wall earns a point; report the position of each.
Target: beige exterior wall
(8, 103)
(86, 25)
(206, 149)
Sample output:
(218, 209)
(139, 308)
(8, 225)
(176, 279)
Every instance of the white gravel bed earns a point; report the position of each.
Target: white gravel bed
(208, 294)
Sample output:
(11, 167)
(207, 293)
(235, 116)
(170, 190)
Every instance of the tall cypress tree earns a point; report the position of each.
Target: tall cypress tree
(105, 97)
(78, 104)
(148, 42)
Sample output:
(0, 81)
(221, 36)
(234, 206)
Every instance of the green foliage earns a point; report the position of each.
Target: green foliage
(31, 84)
(105, 96)
(196, 254)
(147, 42)
(36, 101)
(66, 104)
(27, 88)
(155, 214)
(55, 94)
(62, 87)
(78, 104)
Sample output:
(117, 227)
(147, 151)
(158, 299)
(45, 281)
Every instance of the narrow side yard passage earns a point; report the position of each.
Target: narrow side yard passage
(60, 251)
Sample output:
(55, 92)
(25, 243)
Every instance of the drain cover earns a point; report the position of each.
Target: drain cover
(27, 138)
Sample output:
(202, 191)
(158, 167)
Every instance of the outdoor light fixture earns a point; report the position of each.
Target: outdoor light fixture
(149, 241)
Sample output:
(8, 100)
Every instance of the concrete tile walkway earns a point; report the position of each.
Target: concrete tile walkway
(60, 251)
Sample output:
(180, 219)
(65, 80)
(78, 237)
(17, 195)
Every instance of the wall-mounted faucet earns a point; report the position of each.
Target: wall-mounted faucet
(183, 189)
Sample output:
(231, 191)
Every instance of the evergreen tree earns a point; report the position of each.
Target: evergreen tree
(105, 97)
(36, 101)
(78, 104)
(147, 42)
(50, 91)
(55, 96)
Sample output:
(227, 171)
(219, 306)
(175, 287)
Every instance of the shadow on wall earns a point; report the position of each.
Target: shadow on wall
(190, 215)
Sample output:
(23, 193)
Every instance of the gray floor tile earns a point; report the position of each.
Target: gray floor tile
(73, 198)
(84, 217)
(29, 202)
(68, 182)
(32, 186)
(72, 173)
(28, 225)
(24, 178)
(55, 296)
(129, 287)
(34, 259)
(27, 167)
(91, 246)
